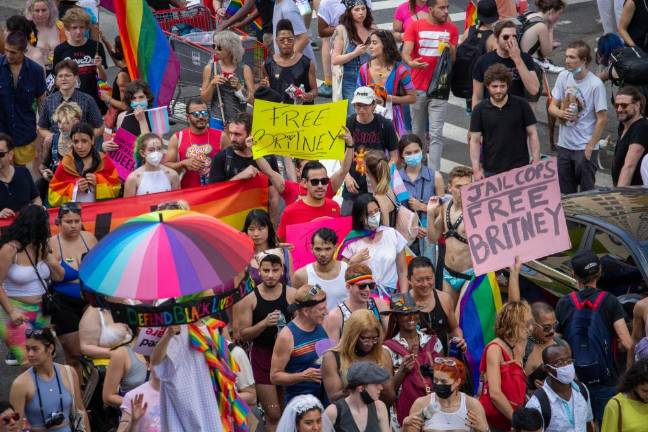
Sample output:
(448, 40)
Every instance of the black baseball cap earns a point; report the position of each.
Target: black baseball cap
(585, 264)
(487, 11)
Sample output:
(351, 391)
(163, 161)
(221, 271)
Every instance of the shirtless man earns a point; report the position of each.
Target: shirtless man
(359, 284)
(639, 324)
(543, 335)
(448, 221)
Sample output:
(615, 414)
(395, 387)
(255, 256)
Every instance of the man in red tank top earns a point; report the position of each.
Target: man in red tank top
(191, 150)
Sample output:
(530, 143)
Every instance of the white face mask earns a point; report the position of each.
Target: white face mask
(154, 158)
(373, 221)
(565, 374)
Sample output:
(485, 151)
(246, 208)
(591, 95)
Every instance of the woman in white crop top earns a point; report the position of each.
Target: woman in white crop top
(98, 333)
(151, 176)
(26, 265)
(446, 409)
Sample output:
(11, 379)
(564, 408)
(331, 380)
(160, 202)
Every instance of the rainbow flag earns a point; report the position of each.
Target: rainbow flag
(159, 120)
(471, 15)
(235, 5)
(146, 49)
(353, 235)
(477, 312)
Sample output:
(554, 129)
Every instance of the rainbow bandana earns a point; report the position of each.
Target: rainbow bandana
(222, 368)
(355, 279)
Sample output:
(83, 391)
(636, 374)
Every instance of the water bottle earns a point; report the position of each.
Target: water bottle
(573, 108)
(281, 321)
(453, 348)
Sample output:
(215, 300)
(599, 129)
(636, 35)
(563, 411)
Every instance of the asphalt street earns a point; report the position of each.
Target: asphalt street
(579, 21)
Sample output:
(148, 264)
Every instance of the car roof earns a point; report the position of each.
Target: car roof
(626, 208)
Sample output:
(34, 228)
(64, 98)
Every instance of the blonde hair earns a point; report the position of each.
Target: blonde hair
(75, 15)
(360, 321)
(53, 10)
(510, 323)
(67, 111)
(378, 166)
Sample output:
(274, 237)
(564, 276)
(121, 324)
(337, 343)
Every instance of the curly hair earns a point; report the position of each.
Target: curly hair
(390, 49)
(510, 323)
(633, 377)
(31, 227)
(140, 144)
(135, 86)
(18, 23)
(378, 166)
(231, 42)
(498, 72)
(359, 322)
(51, 5)
(460, 172)
(75, 15)
(67, 111)
(347, 21)
(547, 5)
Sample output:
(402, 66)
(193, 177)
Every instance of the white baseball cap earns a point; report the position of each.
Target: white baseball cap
(364, 95)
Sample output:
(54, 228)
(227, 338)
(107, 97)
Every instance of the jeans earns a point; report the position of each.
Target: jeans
(428, 116)
(599, 397)
(574, 170)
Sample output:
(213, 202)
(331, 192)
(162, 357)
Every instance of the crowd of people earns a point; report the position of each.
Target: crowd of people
(367, 337)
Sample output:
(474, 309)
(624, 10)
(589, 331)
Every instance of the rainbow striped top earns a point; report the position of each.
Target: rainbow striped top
(302, 357)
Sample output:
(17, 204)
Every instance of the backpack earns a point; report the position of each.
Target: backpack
(631, 64)
(415, 384)
(467, 54)
(545, 406)
(590, 341)
(524, 23)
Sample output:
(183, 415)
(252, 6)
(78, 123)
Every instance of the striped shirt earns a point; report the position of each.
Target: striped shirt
(302, 357)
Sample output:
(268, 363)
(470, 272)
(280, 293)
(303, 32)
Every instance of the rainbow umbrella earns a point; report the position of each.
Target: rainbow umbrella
(166, 254)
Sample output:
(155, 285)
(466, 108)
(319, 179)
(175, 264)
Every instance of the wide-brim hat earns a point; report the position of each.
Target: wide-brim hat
(402, 304)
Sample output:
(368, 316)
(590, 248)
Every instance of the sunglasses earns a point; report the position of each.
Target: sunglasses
(363, 286)
(37, 332)
(506, 37)
(547, 328)
(621, 105)
(374, 339)
(70, 207)
(445, 361)
(319, 181)
(8, 418)
(201, 113)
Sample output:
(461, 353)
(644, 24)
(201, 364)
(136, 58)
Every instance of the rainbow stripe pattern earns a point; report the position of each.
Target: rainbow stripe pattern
(235, 5)
(222, 368)
(398, 185)
(471, 15)
(166, 254)
(477, 312)
(146, 49)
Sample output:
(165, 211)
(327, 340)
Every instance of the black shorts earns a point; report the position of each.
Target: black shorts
(66, 318)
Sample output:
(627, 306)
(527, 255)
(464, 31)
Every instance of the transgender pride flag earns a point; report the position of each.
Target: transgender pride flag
(159, 120)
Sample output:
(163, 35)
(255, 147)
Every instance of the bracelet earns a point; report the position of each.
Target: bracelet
(349, 146)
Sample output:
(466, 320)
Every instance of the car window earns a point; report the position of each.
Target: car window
(561, 261)
(619, 270)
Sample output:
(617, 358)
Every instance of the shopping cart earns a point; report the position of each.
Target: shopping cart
(191, 32)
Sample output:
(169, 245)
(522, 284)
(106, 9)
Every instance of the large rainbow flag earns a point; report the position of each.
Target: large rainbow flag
(146, 49)
(477, 312)
(471, 15)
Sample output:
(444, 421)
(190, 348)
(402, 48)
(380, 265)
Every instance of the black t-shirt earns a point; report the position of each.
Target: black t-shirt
(84, 56)
(610, 310)
(504, 133)
(379, 134)
(19, 192)
(637, 134)
(265, 9)
(489, 59)
(159, 4)
(226, 164)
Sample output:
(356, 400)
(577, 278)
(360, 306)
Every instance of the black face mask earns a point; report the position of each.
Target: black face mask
(444, 391)
(366, 397)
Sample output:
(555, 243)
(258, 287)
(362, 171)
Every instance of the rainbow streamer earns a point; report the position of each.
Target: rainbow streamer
(477, 312)
(471, 15)
(222, 368)
(146, 49)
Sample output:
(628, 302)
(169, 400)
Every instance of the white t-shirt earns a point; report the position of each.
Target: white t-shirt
(287, 9)
(577, 410)
(382, 256)
(245, 377)
(644, 170)
(331, 11)
(590, 97)
(151, 422)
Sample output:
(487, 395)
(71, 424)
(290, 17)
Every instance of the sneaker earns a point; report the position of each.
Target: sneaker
(548, 66)
(10, 360)
(325, 90)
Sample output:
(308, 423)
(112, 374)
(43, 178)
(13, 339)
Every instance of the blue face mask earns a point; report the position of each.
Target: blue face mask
(413, 159)
(576, 71)
(142, 104)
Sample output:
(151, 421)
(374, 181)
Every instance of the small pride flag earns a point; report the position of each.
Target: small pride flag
(159, 120)
(471, 15)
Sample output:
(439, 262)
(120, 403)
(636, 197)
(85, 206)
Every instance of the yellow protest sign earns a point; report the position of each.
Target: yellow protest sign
(300, 131)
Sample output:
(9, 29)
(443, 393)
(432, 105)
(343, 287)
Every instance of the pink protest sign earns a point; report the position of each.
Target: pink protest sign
(147, 339)
(123, 156)
(300, 235)
(516, 213)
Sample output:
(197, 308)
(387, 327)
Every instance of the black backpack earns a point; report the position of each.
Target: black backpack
(467, 54)
(525, 23)
(545, 406)
(631, 64)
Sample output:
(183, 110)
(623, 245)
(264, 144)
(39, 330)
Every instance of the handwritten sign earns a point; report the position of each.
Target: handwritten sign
(301, 131)
(123, 157)
(147, 339)
(516, 213)
(301, 234)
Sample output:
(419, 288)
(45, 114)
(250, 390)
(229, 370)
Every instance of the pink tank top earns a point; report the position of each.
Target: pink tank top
(204, 147)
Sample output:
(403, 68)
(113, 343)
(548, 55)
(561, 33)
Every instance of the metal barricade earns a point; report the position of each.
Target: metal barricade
(196, 16)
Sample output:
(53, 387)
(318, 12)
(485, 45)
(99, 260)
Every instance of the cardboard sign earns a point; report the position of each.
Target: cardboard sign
(147, 339)
(300, 131)
(123, 157)
(516, 213)
(300, 235)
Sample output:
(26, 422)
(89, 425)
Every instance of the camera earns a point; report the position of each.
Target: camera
(427, 371)
(54, 419)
